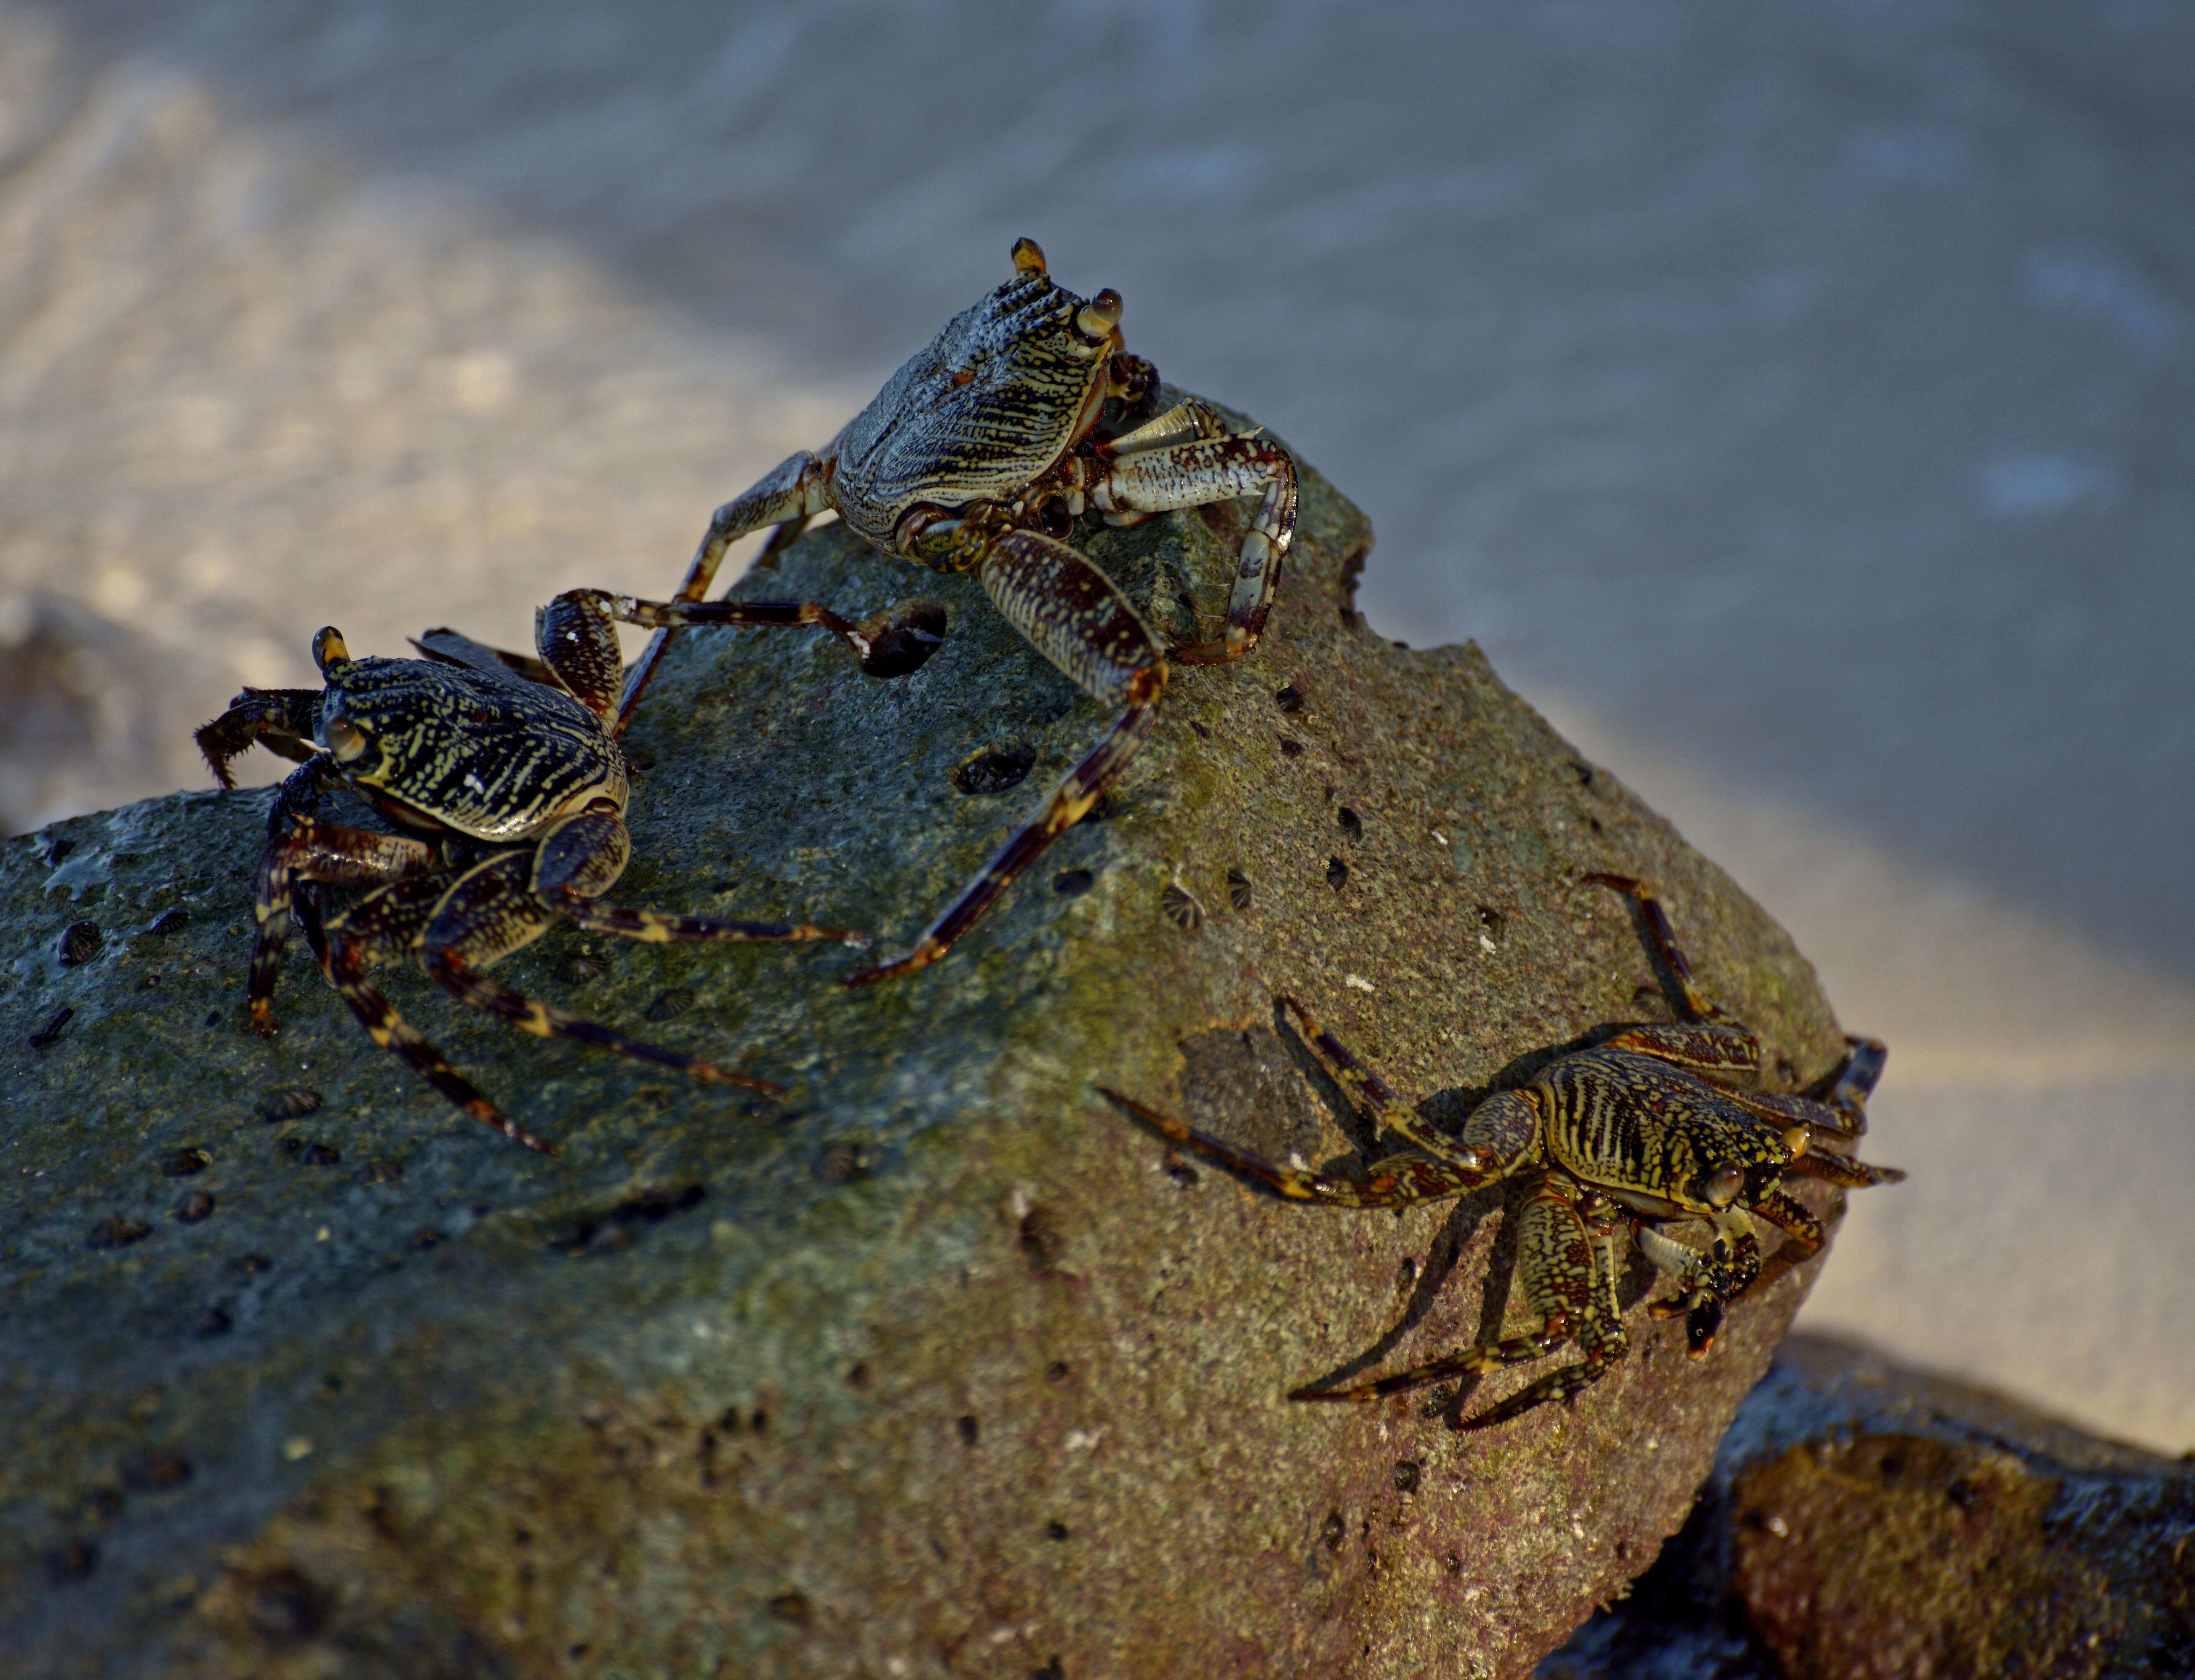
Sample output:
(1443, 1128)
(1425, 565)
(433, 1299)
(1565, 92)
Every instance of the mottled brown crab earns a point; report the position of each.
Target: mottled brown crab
(1654, 1126)
(976, 457)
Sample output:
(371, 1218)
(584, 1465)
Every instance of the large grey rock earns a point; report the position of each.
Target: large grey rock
(941, 1366)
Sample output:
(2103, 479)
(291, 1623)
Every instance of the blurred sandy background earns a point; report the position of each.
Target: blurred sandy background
(1794, 397)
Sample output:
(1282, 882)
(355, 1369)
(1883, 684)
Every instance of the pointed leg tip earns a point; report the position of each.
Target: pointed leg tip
(921, 956)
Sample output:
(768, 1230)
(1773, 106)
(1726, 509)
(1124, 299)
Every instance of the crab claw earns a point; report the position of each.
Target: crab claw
(1028, 254)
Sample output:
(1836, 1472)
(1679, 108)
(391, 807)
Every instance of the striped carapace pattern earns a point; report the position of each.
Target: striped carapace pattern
(1656, 1126)
(1632, 1124)
(1024, 414)
(505, 768)
(486, 753)
(979, 414)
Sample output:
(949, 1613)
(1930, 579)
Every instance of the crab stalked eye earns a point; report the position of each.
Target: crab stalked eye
(1027, 255)
(1796, 1140)
(345, 738)
(1098, 317)
(1721, 1188)
(328, 649)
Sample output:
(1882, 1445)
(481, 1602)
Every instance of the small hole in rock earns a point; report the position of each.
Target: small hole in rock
(1074, 883)
(1041, 1239)
(156, 1470)
(74, 1562)
(901, 642)
(1491, 922)
(195, 1208)
(1238, 889)
(1352, 824)
(80, 942)
(1056, 1371)
(792, 1607)
(1332, 1530)
(1289, 699)
(117, 1233)
(971, 1431)
(1290, 749)
(995, 768)
(1408, 1474)
(1054, 1531)
(1337, 874)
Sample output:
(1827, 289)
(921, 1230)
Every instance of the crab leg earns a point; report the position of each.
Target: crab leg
(316, 851)
(1855, 1082)
(1498, 1138)
(583, 855)
(1155, 480)
(1077, 618)
(893, 647)
(788, 496)
(280, 720)
(1397, 1181)
(1697, 1005)
(383, 927)
(1800, 1228)
(448, 969)
(491, 911)
(1567, 1266)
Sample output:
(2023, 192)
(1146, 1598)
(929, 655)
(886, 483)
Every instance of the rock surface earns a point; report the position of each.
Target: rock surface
(1865, 1520)
(940, 1366)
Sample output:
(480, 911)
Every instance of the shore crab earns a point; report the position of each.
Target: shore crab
(506, 774)
(1654, 1129)
(976, 456)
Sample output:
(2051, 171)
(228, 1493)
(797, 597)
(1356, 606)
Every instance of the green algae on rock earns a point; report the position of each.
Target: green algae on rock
(940, 1366)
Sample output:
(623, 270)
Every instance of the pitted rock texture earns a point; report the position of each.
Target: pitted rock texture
(941, 1366)
(1866, 1521)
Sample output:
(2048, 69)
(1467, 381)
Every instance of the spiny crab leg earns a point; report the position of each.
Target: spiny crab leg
(790, 494)
(1147, 474)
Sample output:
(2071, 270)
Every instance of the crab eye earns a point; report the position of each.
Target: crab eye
(1796, 1140)
(345, 738)
(1027, 255)
(1721, 1188)
(1098, 317)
